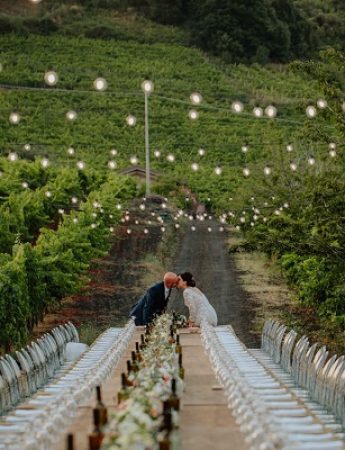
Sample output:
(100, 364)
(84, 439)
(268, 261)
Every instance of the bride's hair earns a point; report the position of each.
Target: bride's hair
(188, 277)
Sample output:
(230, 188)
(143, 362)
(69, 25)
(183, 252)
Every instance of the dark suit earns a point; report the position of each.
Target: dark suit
(153, 302)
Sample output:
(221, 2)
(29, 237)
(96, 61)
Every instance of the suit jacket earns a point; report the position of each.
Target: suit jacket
(153, 302)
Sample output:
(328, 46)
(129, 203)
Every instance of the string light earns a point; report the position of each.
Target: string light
(146, 231)
(311, 111)
(61, 211)
(195, 98)
(293, 166)
(111, 229)
(332, 146)
(75, 220)
(27, 147)
(267, 170)
(271, 111)
(14, 118)
(25, 185)
(112, 165)
(70, 151)
(218, 170)
(258, 112)
(193, 114)
(195, 167)
(71, 115)
(118, 206)
(133, 160)
(74, 200)
(246, 172)
(80, 165)
(332, 153)
(157, 153)
(242, 219)
(35, 1)
(131, 120)
(100, 84)
(129, 231)
(93, 226)
(289, 148)
(311, 161)
(201, 152)
(51, 78)
(142, 207)
(244, 148)
(192, 228)
(162, 229)
(113, 152)
(48, 194)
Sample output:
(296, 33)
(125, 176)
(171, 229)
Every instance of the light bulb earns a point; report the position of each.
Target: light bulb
(142, 207)
(147, 86)
(146, 231)
(267, 170)
(112, 165)
(332, 153)
(48, 194)
(93, 226)
(258, 112)
(271, 111)
(157, 153)
(321, 103)
(51, 78)
(25, 185)
(332, 146)
(74, 200)
(131, 120)
(70, 151)
(311, 111)
(80, 165)
(171, 157)
(192, 228)
(242, 219)
(13, 156)
(27, 147)
(75, 220)
(246, 172)
(196, 98)
(293, 166)
(100, 84)
(201, 152)
(113, 152)
(162, 229)
(118, 206)
(193, 114)
(244, 148)
(14, 118)
(218, 170)
(195, 167)
(61, 211)
(71, 115)
(311, 161)
(111, 229)
(45, 163)
(35, 1)
(129, 231)
(133, 160)
(289, 147)
(237, 107)
(209, 229)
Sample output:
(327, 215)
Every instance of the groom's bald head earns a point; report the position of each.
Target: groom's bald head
(170, 280)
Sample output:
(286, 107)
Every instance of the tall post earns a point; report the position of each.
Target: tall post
(147, 145)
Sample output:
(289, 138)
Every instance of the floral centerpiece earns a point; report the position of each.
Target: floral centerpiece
(138, 423)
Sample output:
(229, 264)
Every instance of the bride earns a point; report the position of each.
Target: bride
(197, 302)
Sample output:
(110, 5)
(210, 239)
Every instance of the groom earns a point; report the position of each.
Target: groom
(154, 300)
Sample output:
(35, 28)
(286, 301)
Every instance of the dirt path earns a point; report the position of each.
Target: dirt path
(205, 254)
(118, 282)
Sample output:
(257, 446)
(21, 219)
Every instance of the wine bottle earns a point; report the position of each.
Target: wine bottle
(138, 352)
(96, 437)
(142, 342)
(178, 346)
(123, 393)
(173, 399)
(181, 368)
(172, 337)
(70, 442)
(103, 412)
(134, 362)
(129, 367)
(164, 443)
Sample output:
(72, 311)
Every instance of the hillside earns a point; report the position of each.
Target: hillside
(101, 123)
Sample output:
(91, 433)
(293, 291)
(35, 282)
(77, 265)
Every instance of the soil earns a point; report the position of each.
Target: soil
(117, 281)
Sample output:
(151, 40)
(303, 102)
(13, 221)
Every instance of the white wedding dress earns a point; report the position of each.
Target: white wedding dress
(199, 306)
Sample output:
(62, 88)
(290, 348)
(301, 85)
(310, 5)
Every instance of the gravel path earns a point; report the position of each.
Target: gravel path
(205, 254)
